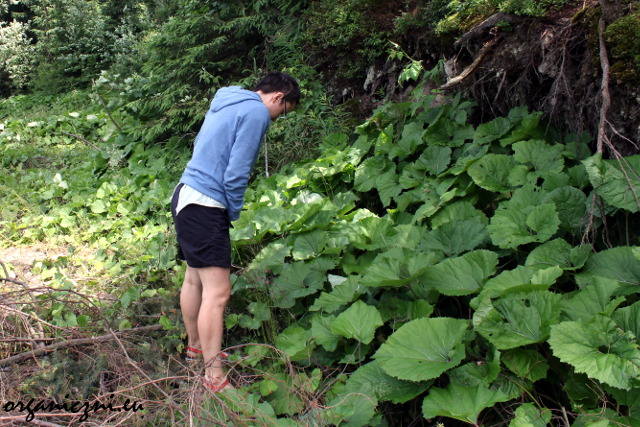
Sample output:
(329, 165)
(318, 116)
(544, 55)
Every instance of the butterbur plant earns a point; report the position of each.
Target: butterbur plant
(487, 274)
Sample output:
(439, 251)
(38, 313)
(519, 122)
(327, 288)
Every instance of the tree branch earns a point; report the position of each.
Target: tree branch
(471, 68)
(74, 343)
(79, 138)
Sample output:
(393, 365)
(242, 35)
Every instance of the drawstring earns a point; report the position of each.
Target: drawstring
(266, 156)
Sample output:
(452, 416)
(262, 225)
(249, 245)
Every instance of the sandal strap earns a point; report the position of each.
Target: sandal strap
(193, 350)
(198, 351)
(215, 388)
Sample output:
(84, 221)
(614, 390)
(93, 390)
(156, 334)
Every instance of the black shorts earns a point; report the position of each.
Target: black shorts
(203, 235)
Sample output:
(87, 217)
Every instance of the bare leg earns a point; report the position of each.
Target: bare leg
(190, 301)
(216, 289)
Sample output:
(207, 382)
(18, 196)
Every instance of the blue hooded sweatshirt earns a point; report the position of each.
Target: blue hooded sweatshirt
(227, 146)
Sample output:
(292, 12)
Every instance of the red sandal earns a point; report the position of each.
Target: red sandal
(199, 352)
(216, 388)
(188, 350)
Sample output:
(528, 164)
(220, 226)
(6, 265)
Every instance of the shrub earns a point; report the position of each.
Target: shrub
(16, 55)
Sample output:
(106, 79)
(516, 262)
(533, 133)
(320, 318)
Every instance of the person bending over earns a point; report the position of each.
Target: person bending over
(209, 196)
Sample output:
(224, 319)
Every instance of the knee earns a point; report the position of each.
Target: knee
(191, 280)
(216, 298)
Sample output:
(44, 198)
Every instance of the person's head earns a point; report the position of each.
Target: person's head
(280, 93)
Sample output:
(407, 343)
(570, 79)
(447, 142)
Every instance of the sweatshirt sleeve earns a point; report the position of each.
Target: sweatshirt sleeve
(246, 146)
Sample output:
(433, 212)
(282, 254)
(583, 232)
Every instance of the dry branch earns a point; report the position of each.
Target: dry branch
(23, 419)
(79, 138)
(74, 343)
(471, 68)
(25, 339)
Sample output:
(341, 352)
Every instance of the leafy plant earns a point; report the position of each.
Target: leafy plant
(393, 239)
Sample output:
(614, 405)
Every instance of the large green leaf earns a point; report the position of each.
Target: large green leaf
(518, 319)
(423, 349)
(571, 205)
(304, 208)
(618, 264)
(351, 409)
(599, 349)
(391, 307)
(309, 244)
(617, 182)
(344, 292)
(294, 341)
(448, 133)
(513, 226)
(369, 171)
(359, 321)
(491, 172)
(435, 159)
(559, 252)
(299, 279)
(591, 300)
(526, 363)
(461, 402)
(603, 417)
(271, 257)
(476, 372)
(493, 130)
(527, 126)
(388, 186)
(456, 237)
(520, 279)
(411, 138)
(321, 332)
(527, 415)
(373, 378)
(368, 231)
(628, 318)
(397, 267)
(545, 159)
(458, 211)
(463, 275)
(630, 399)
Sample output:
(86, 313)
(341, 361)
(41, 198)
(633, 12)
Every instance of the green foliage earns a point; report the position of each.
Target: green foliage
(346, 35)
(16, 55)
(425, 258)
(622, 36)
(463, 14)
(74, 44)
(392, 239)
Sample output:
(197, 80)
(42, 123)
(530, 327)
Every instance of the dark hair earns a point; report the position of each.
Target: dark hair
(280, 82)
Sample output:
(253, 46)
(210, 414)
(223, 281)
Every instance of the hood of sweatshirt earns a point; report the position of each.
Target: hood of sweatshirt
(232, 95)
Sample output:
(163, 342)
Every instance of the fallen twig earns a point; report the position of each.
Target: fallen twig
(79, 138)
(74, 343)
(25, 339)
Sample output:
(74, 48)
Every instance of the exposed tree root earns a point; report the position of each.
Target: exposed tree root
(603, 140)
(604, 88)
